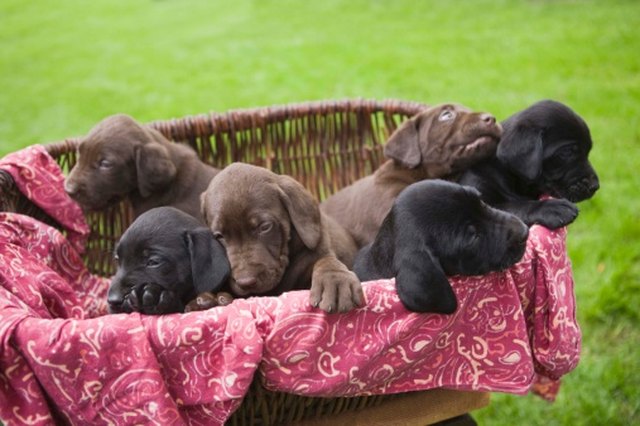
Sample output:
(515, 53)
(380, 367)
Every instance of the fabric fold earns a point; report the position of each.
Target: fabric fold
(63, 357)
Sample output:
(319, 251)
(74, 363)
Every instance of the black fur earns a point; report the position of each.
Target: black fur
(165, 258)
(544, 149)
(436, 229)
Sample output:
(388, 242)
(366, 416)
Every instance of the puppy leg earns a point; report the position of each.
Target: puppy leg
(333, 287)
(553, 213)
(421, 283)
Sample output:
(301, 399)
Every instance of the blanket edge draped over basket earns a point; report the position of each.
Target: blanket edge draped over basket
(63, 358)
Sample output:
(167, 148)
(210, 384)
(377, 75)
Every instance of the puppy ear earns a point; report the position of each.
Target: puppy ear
(303, 210)
(203, 211)
(421, 282)
(520, 149)
(403, 145)
(154, 168)
(210, 267)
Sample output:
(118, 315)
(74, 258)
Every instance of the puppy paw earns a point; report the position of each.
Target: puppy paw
(202, 302)
(334, 288)
(208, 300)
(154, 300)
(556, 213)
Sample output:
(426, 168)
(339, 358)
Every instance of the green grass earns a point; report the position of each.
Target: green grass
(66, 65)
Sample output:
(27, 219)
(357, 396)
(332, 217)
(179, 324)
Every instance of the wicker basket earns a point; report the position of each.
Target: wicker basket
(325, 145)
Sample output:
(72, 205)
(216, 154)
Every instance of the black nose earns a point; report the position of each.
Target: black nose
(594, 185)
(519, 233)
(115, 298)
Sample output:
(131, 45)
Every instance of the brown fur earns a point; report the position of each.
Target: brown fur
(436, 143)
(120, 158)
(277, 239)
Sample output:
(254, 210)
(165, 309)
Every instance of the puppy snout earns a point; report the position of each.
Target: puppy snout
(593, 185)
(247, 282)
(115, 298)
(488, 119)
(70, 187)
(518, 233)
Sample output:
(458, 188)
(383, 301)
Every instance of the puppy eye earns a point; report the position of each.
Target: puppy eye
(447, 115)
(218, 235)
(568, 151)
(472, 233)
(105, 164)
(153, 262)
(265, 227)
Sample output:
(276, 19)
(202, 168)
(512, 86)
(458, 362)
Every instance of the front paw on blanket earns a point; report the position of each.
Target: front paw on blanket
(147, 299)
(334, 288)
(208, 300)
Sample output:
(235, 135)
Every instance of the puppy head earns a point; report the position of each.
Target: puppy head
(464, 234)
(164, 259)
(548, 146)
(119, 157)
(444, 139)
(255, 213)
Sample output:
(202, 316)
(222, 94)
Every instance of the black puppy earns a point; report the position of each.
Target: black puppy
(165, 259)
(434, 229)
(544, 149)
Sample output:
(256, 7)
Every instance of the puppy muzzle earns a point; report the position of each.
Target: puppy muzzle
(582, 190)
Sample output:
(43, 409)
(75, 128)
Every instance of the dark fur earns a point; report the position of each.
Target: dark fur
(165, 259)
(120, 158)
(436, 143)
(277, 239)
(544, 150)
(435, 229)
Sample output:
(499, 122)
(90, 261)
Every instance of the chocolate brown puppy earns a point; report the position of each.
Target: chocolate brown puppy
(121, 158)
(437, 143)
(277, 240)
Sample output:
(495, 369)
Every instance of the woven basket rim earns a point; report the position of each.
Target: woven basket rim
(267, 114)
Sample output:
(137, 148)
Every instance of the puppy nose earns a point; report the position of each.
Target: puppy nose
(247, 282)
(519, 232)
(594, 185)
(70, 187)
(115, 298)
(488, 119)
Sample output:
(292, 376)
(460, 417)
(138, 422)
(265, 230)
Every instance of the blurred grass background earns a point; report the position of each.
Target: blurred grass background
(67, 64)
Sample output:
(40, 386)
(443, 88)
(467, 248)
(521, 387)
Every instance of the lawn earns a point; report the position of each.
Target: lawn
(67, 64)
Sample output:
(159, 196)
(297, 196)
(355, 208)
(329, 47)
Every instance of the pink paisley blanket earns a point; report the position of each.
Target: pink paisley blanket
(61, 357)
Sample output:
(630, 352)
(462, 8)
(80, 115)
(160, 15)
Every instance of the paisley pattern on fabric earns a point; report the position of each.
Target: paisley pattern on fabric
(40, 179)
(63, 359)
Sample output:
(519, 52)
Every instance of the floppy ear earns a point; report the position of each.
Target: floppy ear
(210, 267)
(203, 211)
(520, 149)
(303, 210)
(154, 168)
(403, 145)
(421, 282)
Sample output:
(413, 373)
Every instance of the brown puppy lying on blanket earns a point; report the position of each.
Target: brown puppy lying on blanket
(121, 158)
(436, 143)
(166, 260)
(277, 239)
(434, 229)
